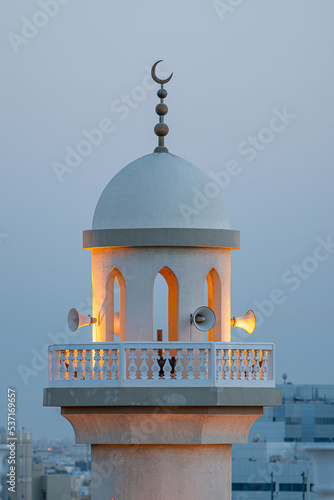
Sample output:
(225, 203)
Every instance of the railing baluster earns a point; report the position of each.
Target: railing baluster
(249, 368)
(155, 366)
(219, 370)
(105, 366)
(97, 366)
(257, 371)
(264, 368)
(51, 362)
(143, 366)
(226, 368)
(122, 363)
(242, 364)
(202, 367)
(88, 365)
(71, 365)
(80, 366)
(114, 365)
(132, 366)
(190, 366)
(179, 366)
(234, 365)
(62, 367)
(56, 363)
(167, 367)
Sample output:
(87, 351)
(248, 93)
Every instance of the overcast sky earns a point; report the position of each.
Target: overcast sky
(253, 84)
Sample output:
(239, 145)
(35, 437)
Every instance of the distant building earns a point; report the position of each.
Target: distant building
(32, 481)
(274, 461)
(23, 464)
(37, 475)
(60, 486)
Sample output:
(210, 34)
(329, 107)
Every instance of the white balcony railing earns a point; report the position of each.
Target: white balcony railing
(161, 364)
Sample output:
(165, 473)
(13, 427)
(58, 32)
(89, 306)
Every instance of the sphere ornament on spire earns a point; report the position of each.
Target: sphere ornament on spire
(161, 129)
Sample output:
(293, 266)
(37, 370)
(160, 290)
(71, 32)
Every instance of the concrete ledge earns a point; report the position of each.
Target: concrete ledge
(158, 397)
(161, 237)
(92, 427)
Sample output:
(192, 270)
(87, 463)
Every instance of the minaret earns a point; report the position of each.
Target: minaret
(161, 417)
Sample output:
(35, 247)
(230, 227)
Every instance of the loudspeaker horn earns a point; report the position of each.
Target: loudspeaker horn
(246, 322)
(75, 320)
(203, 318)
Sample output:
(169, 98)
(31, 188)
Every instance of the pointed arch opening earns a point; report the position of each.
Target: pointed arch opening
(212, 291)
(115, 306)
(165, 305)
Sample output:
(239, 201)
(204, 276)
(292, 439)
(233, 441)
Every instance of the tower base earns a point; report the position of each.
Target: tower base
(148, 472)
(155, 443)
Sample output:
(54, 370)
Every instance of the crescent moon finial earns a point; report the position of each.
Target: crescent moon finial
(154, 76)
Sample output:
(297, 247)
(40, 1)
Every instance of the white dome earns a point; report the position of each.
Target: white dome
(161, 190)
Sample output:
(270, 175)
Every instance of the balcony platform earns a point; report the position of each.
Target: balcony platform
(106, 390)
(205, 400)
(167, 410)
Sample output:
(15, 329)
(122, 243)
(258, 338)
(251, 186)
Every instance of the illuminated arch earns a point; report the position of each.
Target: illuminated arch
(214, 302)
(173, 291)
(115, 322)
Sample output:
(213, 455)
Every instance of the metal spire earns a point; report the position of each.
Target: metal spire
(161, 129)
